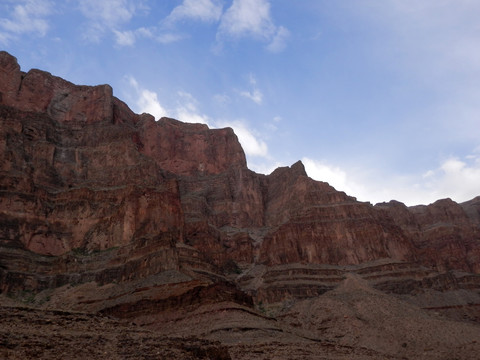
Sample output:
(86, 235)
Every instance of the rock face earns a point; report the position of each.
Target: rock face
(106, 211)
(190, 149)
(317, 224)
(445, 234)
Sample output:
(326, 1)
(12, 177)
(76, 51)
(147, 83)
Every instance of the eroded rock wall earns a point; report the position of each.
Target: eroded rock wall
(80, 172)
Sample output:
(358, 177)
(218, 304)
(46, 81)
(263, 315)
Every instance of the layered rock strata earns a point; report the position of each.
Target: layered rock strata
(106, 211)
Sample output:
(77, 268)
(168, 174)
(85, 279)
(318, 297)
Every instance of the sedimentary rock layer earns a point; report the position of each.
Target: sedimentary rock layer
(159, 221)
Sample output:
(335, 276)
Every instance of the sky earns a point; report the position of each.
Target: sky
(379, 98)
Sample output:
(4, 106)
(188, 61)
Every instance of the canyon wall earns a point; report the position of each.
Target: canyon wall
(93, 192)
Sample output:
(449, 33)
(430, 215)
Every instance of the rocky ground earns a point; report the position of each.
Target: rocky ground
(352, 321)
(27, 333)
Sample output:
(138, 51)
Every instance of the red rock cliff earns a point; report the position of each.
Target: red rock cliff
(80, 170)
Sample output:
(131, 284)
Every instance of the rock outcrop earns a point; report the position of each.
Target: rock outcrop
(445, 234)
(317, 224)
(109, 212)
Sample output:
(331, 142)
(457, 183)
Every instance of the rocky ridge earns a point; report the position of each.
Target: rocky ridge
(104, 211)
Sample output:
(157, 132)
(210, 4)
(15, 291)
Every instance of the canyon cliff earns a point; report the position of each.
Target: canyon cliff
(161, 223)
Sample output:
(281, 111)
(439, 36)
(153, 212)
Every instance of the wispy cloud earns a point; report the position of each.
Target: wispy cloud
(279, 41)
(251, 142)
(27, 16)
(110, 13)
(130, 37)
(251, 18)
(124, 38)
(208, 11)
(146, 101)
(248, 18)
(201, 10)
(222, 99)
(187, 109)
(167, 38)
(243, 19)
(254, 94)
(106, 15)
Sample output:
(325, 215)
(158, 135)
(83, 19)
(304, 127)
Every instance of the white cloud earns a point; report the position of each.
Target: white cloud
(255, 94)
(144, 32)
(452, 166)
(202, 10)
(279, 41)
(252, 145)
(222, 99)
(252, 18)
(109, 12)
(129, 37)
(106, 15)
(187, 109)
(27, 16)
(146, 100)
(335, 176)
(458, 179)
(244, 18)
(124, 38)
(167, 38)
(368, 186)
(248, 17)
(189, 115)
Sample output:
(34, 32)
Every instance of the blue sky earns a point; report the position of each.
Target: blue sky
(380, 98)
